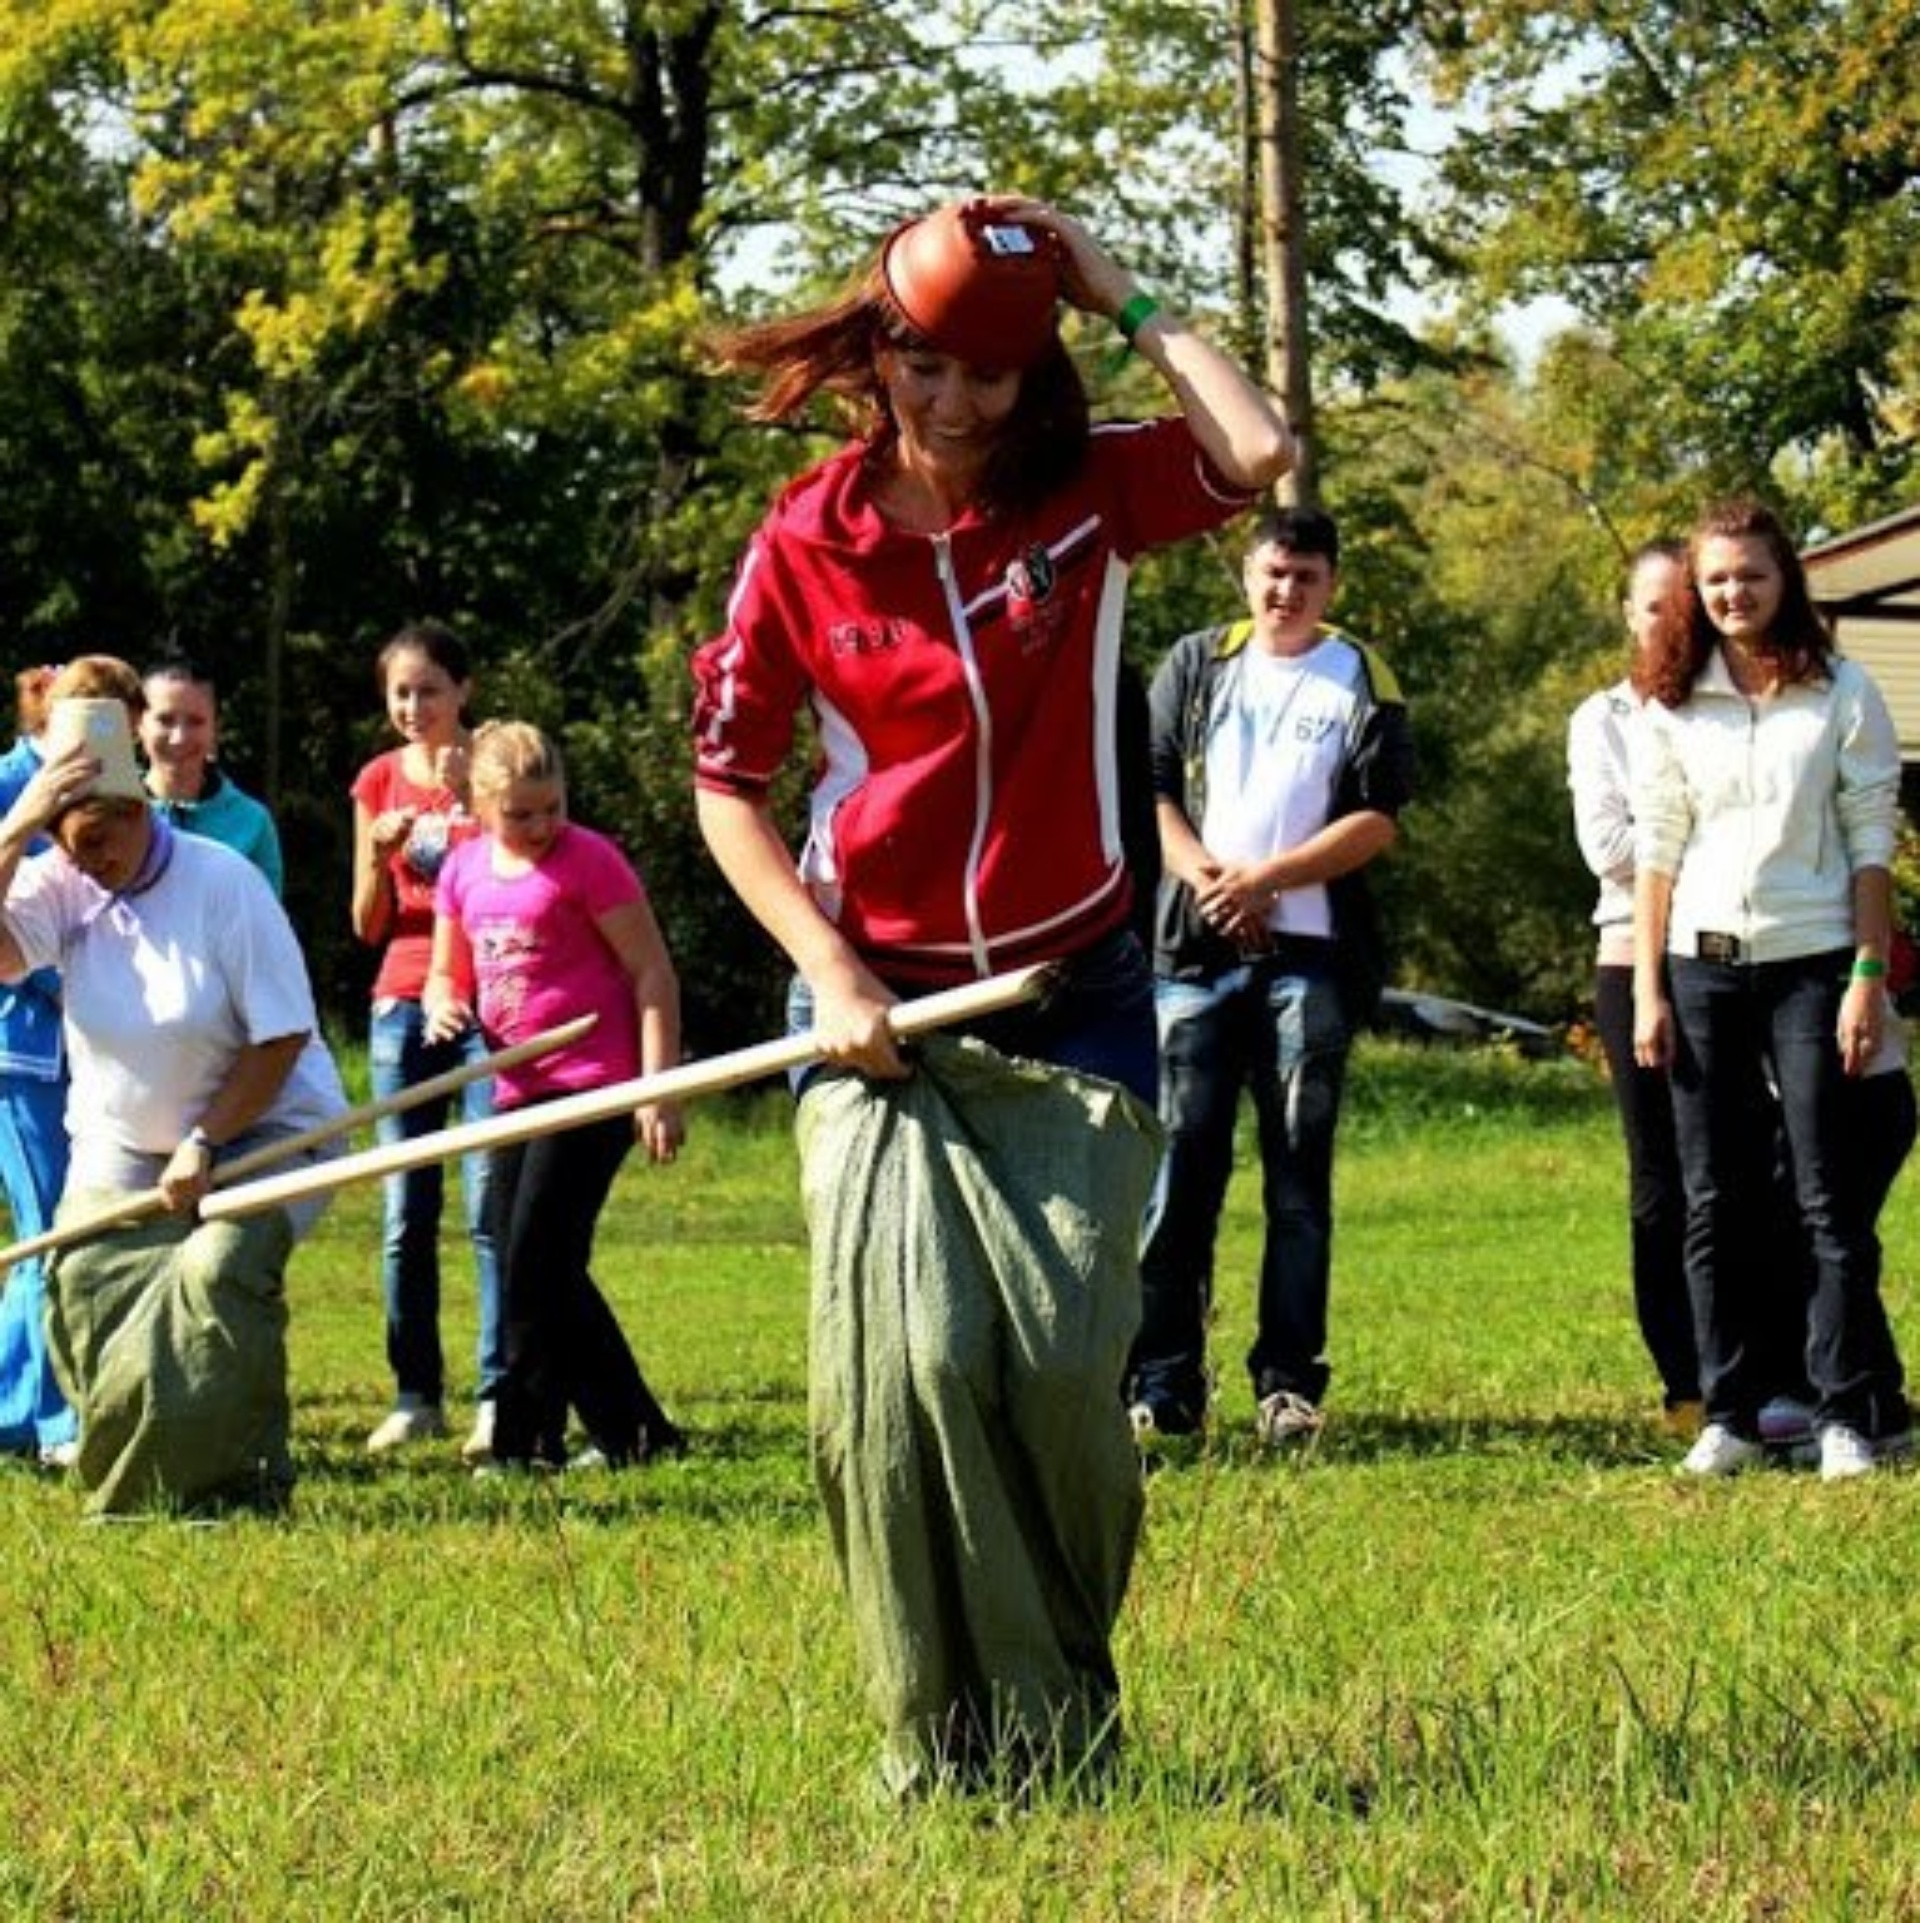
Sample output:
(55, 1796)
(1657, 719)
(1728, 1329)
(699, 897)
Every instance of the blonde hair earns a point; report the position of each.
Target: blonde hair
(503, 752)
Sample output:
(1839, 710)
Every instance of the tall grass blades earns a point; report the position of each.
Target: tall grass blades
(1479, 1654)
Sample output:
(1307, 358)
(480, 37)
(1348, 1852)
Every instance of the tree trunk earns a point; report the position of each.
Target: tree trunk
(1283, 232)
(1249, 319)
(280, 587)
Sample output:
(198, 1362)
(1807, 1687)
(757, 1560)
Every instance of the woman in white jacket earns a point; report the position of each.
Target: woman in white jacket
(1765, 794)
(1597, 773)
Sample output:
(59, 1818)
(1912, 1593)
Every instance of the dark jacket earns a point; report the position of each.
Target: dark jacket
(1376, 775)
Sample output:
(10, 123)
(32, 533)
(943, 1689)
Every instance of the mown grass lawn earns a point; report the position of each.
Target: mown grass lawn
(1479, 1656)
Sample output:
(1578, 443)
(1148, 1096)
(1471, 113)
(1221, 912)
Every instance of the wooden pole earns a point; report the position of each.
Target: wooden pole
(906, 1019)
(145, 1203)
(1283, 225)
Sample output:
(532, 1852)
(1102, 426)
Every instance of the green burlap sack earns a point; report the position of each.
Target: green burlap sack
(975, 1292)
(169, 1339)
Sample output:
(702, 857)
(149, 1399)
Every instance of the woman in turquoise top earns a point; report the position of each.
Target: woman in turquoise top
(180, 737)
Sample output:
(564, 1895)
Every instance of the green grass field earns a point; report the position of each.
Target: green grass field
(1481, 1656)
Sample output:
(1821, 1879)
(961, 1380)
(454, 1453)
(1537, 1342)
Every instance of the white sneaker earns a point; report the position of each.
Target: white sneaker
(478, 1447)
(1720, 1452)
(409, 1421)
(1284, 1419)
(60, 1456)
(1844, 1454)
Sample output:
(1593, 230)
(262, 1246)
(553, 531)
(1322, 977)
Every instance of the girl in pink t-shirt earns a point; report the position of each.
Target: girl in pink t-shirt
(409, 810)
(537, 921)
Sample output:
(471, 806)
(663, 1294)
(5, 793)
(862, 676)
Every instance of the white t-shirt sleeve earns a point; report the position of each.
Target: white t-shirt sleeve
(44, 901)
(265, 972)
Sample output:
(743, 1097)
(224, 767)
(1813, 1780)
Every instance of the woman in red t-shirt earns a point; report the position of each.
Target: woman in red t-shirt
(409, 809)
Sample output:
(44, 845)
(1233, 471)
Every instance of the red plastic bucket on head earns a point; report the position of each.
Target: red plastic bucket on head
(980, 288)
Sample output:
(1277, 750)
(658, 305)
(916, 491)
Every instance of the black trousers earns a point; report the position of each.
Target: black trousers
(1739, 1024)
(564, 1348)
(1656, 1194)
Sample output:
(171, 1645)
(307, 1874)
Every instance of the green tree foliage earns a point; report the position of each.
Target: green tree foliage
(1137, 113)
(322, 316)
(453, 262)
(1730, 192)
(93, 446)
(1484, 561)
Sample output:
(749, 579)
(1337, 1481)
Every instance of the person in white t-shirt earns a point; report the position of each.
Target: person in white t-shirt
(191, 1036)
(1282, 757)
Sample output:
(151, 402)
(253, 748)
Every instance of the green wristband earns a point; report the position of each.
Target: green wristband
(1867, 969)
(1135, 315)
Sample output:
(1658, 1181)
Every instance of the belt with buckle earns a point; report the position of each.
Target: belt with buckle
(1717, 948)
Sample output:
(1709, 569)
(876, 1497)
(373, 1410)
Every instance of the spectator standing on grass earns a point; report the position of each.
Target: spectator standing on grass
(539, 920)
(180, 737)
(945, 596)
(409, 810)
(35, 1418)
(1281, 760)
(1765, 789)
(192, 1036)
(1598, 774)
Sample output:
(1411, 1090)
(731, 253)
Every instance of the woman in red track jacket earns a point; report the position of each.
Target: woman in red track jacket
(946, 594)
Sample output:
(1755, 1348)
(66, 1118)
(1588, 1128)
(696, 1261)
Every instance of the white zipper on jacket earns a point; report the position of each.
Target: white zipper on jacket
(983, 752)
(1752, 812)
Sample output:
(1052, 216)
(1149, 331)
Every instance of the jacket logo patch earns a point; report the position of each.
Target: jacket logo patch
(865, 637)
(1030, 581)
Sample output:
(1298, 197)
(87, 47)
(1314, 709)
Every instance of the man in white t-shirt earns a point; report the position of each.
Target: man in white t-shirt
(1281, 759)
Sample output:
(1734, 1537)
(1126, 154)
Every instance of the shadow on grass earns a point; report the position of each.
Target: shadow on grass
(1359, 1436)
(735, 1472)
(1595, 1440)
(1242, 1786)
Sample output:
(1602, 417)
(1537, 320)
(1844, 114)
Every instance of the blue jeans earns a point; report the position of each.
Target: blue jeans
(33, 1167)
(1280, 1029)
(1733, 1020)
(1097, 1019)
(399, 1056)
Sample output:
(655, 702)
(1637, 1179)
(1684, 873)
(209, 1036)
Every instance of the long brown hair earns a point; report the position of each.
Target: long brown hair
(1683, 638)
(831, 349)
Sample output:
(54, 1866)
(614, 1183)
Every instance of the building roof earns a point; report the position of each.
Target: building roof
(1867, 584)
(1872, 573)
